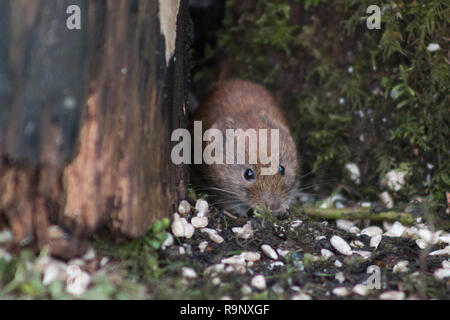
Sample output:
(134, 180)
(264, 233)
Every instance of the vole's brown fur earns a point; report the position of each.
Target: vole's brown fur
(234, 104)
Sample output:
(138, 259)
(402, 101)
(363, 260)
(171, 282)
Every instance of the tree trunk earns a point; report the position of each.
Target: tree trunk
(86, 117)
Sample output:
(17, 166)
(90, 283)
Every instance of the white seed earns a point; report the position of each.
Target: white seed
(387, 199)
(326, 253)
(89, 255)
(188, 228)
(365, 254)
(269, 251)
(401, 266)
(396, 230)
(6, 236)
(215, 269)
(422, 244)
(216, 281)
(338, 264)
(301, 296)
(189, 273)
(78, 281)
(244, 232)
(199, 222)
(184, 207)
(168, 242)
(202, 246)
(354, 230)
(202, 207)
(357, 244)
(340, 277)
(246, 290)
(4, 255)
(341, 245)
(353, 170)
(428, 236)
(433, 47)
(51, 273)
(341, 291)
(394, 180)
(375, 240)
(393, 295)
(361, 289)
(372, 231)
(213, 235)
(251, 256)
(445, 238)
(177, 226)
(282, 252)
(318, 238)
(344, 224)
(411, 232)
(236, 259)
(446, 264)
(441, 274)
(296, 223)
(181, 250)
(104, 261)
(259, 282)
(441, 252)
(276, 264)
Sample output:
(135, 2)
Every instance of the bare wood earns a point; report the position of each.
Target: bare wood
(85, 119)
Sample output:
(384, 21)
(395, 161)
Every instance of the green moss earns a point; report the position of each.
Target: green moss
(377, 98)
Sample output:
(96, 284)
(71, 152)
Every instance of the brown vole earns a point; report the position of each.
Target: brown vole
(238, 104)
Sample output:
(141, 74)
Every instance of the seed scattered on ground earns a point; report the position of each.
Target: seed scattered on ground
(189, 273)
(202, 246)
(188, 228)
(396, 230)
(199, 222)
(341, 291)
(326, 253)
(372, 231)
(282, 252)
(168, 242)
(251, 256)
(202, 207)
(344, 224)
(441, 252)
(401, 266)
(375, 240)
(340, 277)
(393, 295)
(357, 244)
(244, 232)
(361, 289)
(441, 274)
(213, 235)
(184, 208)
(341, 245)
(259, 282)
(177, 226)
(271, 253)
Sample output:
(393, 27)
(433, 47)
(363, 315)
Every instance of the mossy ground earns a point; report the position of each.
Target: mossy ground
(376, 98)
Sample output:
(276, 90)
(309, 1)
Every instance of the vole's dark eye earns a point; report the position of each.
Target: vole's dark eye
(281, 170)
(249, 175)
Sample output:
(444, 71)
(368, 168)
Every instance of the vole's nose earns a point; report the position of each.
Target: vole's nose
(273, 204)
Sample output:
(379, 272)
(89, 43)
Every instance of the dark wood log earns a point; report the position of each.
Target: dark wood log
(86, 117)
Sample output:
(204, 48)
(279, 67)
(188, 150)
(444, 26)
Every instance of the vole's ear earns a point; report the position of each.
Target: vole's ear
(224, 123)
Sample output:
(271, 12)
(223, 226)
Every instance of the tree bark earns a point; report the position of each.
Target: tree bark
(86, 117)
